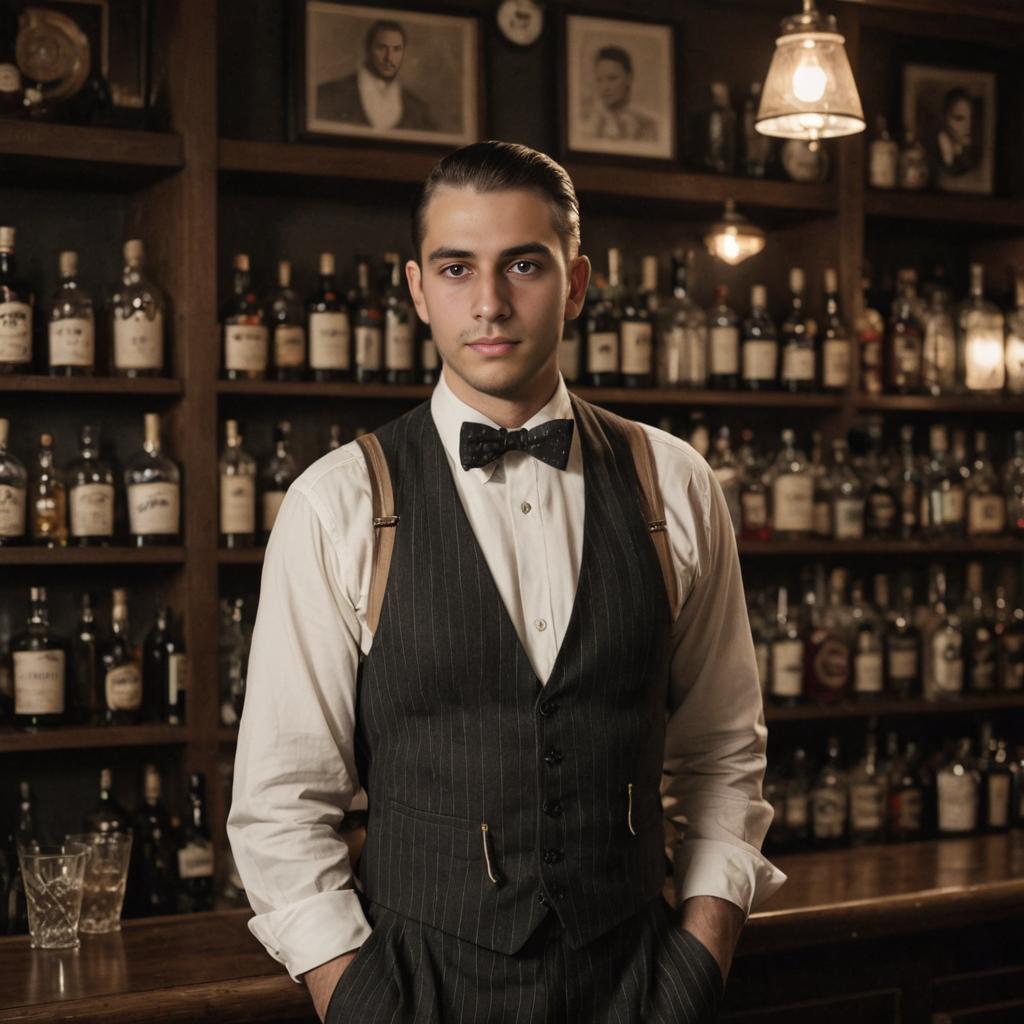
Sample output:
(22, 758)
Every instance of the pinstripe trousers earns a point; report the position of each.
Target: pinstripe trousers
(648, 969)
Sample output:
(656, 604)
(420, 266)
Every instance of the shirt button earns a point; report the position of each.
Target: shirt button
(541, 625)
(526, 508)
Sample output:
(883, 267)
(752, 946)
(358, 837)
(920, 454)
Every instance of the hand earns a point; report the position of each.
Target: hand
(321, 981)
(717, 923)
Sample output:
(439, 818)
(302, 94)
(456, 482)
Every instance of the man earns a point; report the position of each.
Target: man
(528, 684)
(611, 115)
(372, 95)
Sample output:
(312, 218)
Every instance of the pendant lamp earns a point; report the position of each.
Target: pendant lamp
(733, 238)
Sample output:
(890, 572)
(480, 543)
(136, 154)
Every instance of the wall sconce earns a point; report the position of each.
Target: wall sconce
(733, 238)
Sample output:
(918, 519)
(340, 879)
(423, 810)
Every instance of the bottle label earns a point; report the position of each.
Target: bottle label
(759, 359)
(195, 859)
(986, 514)
(796, 811)
(12, 511)
(903, 663)
(793, 502)
(271, 506)
(569, 356)
(822, 518)
(72, 342)
(177, 679)
(123, 688)
(867, 672)
(637, 348)
(998, 800)
(906, 810)
(849, 518)
(39, 682)
(835, 365)
(867, 806)
(687, 357)
(139, 342)
(906, 352)
(952, 505)
(153, 509)
(754, 508)
(1013, 663)
(958, 802)
(92, 510)
(245, 347)
(828, 812)
(725, 350)
(797, 363)
(15, 332)
(603, 352)
(948, 662)
(881, 508)
(368, 347)
(428, 354)
(398, 342)
(831, 662)
(787, 668)
(237, 503)
(289, 346)
(329, 341)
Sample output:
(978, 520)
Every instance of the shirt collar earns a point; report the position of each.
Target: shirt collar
(450, 412)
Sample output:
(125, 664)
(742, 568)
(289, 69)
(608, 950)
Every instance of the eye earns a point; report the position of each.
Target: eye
(524, 267)
(457, 270)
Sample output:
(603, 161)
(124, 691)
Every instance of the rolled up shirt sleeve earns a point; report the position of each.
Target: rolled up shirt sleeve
(295, 773)
(715, 733)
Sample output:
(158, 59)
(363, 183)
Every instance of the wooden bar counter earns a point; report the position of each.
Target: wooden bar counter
(924, 932)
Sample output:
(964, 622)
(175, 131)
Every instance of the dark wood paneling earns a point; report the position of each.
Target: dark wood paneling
(876, 1007)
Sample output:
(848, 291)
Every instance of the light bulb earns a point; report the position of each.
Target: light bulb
(809, 80)
(729, 246)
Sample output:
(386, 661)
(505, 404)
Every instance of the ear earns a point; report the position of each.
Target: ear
(415, 280)
(579, 278)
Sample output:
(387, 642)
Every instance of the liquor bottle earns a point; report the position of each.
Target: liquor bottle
(6, 669)
(727, 472)
(755, 522)
(13, 491)
(822, 490)
(164, 672)
(233, 656)
(137, 308)
(288, 323)
(958, 785)
(996, 781)
(152, 875)
(108, 815)
(1011, 645)
(334, 441)
(399, 326)
(17, 301)
(90, 493)
(903, 649)
(122, 672)
(278, 474)
(760, 345)
(245, 348)
(943, 676)
(906, 338)
(40, 670)
(870, 330)
(847, 495)
(682, 332)
(799, 340)
(792, 492)
(1015, 341)
(153, 485)
(1012, 480)
(986, 506)
(570, 352)
(830, 801)
(724, 339)
(756, 147)
(913, 163)
(603, 328)
(430, 362)
(938, 356)
(72, 327)
(943, 501)
(835, 348)
(329, 327)
(369, 322)
(981, 344)
(88, 697)
(883, 157)
(237, 491)
(905, 816)
(981, 649)
(868, 647)
(797, 798)
(881, 508)
(868, 795)
(636, 332)
(720, 141)
(787, 656)
(195, 852)
(829, 642)
(908, 486)
(48, 498)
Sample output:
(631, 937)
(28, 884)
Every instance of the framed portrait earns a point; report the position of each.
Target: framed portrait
(619, 91)
(385, 74)
(953, 113)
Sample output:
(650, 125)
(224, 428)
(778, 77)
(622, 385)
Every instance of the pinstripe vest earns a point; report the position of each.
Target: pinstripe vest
(454, 730)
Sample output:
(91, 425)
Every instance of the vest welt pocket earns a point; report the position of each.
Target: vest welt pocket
(642, 808)
(440, 833)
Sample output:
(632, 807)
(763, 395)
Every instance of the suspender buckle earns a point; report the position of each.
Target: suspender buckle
(379, 521)
(658, 526)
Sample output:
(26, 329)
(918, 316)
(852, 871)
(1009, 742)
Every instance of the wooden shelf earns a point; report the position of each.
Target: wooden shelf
(318, 389)
(1001, 406)
(886, 706)
(89, 737)
(946, 209)
(39, 556)
(852, 548)
(39, 384)
(241, 556)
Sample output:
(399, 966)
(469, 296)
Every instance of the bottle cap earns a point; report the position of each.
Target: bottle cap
(134, 252)
(327, 263)
(152, 422)
(284, 273)
(68, 262)
(106, 778)
(7, 239)
(5, 431)
(151, 783)
(796, 280)
(759, 296)
(831, 280)
(231, 432)
(241, 261)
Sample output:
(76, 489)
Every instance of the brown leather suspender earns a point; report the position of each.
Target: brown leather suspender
(384, 522)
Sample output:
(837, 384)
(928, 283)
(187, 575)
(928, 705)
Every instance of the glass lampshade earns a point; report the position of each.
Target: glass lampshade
(810, 92)
(733, 239)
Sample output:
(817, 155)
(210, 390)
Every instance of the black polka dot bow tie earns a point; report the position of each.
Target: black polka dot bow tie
(480, 444)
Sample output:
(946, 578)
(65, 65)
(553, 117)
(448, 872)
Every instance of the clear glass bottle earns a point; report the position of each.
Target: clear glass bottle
(759, 348)
(755, 521)
(868, 646)
(1012, 481)
(399, 326)
(724, 343)
(245, 348)
(153, 486)
(798, 340)
(847, 495)
(683, 332)
(369, 324)
(792, 492)
(943, 503)
(330, 336)
(237, 491)
(278, 474)
(943, 676)
(720, 142)
(287, 320)
(195, 852)
(980, 339)
(903, 649)
(233, 655)
(72, 326)
(981, 648)
(986, 505)
(40, 661)
(108, 815)
(334, 440)
(85, 652)
(13, 491)
(636, 333)
(90, 493)
(835, 345)
(727, 471)
(17, 303)
(938, 357)
(906, 338)
(137, 310)
(1015, 341)
(122, 668)
(883, 157)
(868, 796)
(830, 807)
(958, 785)
(787, 656)
(870, 330)
(48, 498)
(913, 164)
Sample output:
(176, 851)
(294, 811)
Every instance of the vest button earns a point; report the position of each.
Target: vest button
(552, 808)
(553, 856)
(559, 892)
(548, 707)
(553, 756)
(542, 899)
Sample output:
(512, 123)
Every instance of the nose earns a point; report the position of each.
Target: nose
(490, 299)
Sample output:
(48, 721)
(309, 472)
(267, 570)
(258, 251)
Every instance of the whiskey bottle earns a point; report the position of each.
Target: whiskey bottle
(847, 495)
(636, 332)
(835, 348)
(369, 321)
(237, 491)
(278, 474)
(85, 652)
(13, 490)
(682, 332)
(908, 486)
(830, 802)
(195, 852)
(981, 649)
(986, 506)
(108, 815)
(724, 342)
(943, 649)
(827, 659)
(868, 659)
(49, 498)
(603, 328)
(787, 656)
(1015, 341)
(244, 352)
(122, 671)
(288, 324)
(399, 326)
(938, 356)
(329, 327)
(760, 346)
(980, 339)
(792, 492)
(755, 522)
(881, 517)
(727, 472)
(903, 649)
(137, 310)
(906, 338)
(867, 797)
(942, 504)
(870, 328)
(40, 670)
(72, 327)
(905, 818)
(799, 340)
(153, 486)
(151, 879)
(958, 785)
(164, 672)
(996, 781)
(17, 302)
(90, 493)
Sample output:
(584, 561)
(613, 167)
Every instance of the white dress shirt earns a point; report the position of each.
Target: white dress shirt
(382, 101)
(295, 772)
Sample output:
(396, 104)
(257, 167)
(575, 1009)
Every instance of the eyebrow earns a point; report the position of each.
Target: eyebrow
(526, 249)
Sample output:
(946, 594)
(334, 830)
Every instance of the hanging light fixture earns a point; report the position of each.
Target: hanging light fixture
(733, 238)
(810, 93)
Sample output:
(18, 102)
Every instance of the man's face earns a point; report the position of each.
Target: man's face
(958, 122)
(387, 48)
(613, 83)
(494, 285)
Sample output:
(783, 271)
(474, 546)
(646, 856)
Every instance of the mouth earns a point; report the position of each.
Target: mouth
(494, 346)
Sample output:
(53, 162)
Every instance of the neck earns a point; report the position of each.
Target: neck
(508, 411)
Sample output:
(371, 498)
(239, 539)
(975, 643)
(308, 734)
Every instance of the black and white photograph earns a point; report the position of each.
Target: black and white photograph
(404, 76)
(620, 87)
(953, 111)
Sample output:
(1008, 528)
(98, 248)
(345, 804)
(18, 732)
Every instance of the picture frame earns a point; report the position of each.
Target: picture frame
(363, 73)
(619, 88)
(952, 111)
